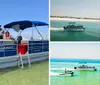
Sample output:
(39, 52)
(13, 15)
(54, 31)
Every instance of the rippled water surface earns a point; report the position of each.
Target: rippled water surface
(91, 33)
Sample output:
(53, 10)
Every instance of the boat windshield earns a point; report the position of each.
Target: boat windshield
(71, 23)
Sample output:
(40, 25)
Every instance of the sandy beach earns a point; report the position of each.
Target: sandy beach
(70, 19)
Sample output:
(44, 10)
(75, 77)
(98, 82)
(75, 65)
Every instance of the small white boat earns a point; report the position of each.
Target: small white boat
(85, 67)
(68, 73)
(12, 54)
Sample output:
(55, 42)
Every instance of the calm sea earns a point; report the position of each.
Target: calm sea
(80, 77)
(91, 33)
(37, 74)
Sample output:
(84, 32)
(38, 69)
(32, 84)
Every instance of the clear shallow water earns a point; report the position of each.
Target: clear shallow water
(91, 33)
(79, 78)
(36, 75)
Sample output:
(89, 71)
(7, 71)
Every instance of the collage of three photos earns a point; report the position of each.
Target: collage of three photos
(50, 42)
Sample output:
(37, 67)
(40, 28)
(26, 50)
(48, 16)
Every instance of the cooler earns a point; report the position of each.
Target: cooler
(22, 48)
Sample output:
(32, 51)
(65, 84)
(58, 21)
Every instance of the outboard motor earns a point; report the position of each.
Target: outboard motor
(95, 69)
(64, 27)
(75, 67)
(72, 73)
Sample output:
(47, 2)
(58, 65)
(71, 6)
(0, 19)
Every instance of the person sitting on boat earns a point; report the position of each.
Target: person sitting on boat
(19, 39)
(0, 28)
(7, 35)
(1, 32)
(65, 71)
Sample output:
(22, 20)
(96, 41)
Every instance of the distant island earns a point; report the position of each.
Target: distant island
(75, 17)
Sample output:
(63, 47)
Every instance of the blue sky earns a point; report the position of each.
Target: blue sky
(78, 8)
(16, 10)
(75, 50)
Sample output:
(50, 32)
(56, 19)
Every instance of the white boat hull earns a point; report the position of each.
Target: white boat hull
(12, 61)
(66, 74)
(75, 30)
(85, 69)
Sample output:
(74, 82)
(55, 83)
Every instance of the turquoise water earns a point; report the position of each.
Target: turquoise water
(37, 74)
(91, 33)
(80, 77)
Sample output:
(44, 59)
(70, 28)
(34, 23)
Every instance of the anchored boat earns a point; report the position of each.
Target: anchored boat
(13, 54)
(74, 28)
(85, 67)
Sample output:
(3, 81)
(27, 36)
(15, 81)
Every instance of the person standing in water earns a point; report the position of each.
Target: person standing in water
(7, 35)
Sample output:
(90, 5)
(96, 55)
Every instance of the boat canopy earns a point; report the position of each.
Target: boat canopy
(82, 63)
(21, 25)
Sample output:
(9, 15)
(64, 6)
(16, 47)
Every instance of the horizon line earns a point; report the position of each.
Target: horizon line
(74, 17)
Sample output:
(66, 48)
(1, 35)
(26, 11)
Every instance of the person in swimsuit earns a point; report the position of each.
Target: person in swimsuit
(1, 33)
(7, 35)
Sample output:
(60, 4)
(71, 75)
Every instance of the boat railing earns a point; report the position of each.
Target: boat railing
(7, 50)
(38, 46)
(86, 67)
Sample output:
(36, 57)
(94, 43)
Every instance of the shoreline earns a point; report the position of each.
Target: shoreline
(72, 19)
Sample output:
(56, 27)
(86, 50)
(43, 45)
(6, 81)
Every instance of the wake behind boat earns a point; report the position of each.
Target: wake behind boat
(74, 28)
(13, 54)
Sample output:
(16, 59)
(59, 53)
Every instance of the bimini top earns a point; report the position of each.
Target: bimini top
(21, 25)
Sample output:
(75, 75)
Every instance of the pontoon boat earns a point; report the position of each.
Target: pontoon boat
(85, 67)
(13, 54)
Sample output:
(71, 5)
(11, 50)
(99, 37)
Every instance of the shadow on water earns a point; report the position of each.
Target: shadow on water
(75, 75)
(88, 72)
(10, 69)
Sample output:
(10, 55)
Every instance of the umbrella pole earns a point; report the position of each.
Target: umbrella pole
(39, 33)
(41, 37)
(32, 33)
(18, 34)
